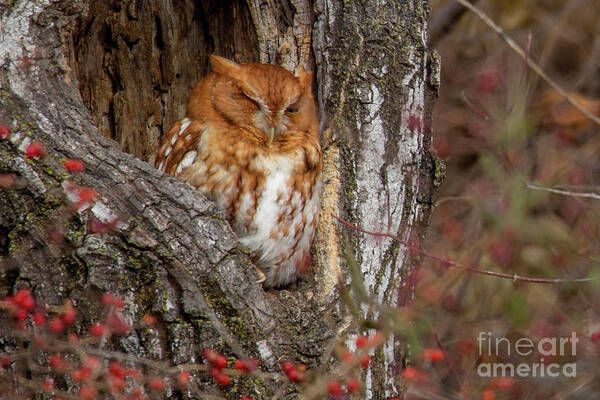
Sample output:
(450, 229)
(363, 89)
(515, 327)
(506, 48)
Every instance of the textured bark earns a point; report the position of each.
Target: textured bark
(136, 62)
(75, 71)
(377, 83)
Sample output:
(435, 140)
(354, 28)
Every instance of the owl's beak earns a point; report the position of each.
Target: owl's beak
(270, 134)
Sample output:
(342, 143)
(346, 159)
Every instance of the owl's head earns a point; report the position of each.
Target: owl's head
(263, 96)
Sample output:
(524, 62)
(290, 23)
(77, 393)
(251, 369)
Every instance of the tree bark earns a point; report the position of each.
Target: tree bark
(75, 71)
(377, 80)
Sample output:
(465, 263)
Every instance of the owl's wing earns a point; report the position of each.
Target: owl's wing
(179, 147)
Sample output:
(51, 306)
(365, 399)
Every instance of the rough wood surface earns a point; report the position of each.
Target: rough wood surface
(172, 254)
(137, 62)
(72, 71)
(377, 83)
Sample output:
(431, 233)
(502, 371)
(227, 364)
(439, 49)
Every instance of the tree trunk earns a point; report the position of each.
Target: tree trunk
(377, 81)
(75, 71)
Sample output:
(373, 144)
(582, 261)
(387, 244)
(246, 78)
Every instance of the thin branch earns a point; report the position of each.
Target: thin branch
(36, 386)
(474, 108)
(532, 64)
(527, 52)
(594, 196)
(452, 263)
(450, 365)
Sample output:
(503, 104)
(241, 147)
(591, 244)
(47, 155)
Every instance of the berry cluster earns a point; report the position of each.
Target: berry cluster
(94, 372)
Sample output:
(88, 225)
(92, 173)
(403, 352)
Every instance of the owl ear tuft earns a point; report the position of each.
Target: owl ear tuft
(225, 66)
(299, 70)
(305, 77)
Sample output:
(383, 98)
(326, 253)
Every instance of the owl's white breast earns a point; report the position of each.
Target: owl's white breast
(283, 227)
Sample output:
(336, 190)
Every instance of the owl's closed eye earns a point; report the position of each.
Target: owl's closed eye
(250, 142)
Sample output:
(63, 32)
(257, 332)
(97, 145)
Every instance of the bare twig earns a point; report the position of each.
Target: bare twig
(474, 108)
(594, 196)
(454, 264)
(532, 64)
(36, 386)
(527, 52)
(450, 365)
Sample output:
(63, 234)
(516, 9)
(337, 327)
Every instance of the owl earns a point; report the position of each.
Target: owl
(250, 142)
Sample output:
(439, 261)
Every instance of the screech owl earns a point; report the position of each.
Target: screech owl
(250, 142)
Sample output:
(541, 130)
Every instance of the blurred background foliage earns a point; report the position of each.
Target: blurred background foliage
(499, 127)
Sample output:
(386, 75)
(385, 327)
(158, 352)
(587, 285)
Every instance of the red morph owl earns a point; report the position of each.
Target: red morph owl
(250, 142)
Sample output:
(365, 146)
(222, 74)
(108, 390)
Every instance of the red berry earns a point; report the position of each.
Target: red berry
(503, 383)
(413, 374)
(82, 374)
(97, 330)
(209, 355)
(334, 388)
(87, 393)
(149, 319)
(85, 195)
(365, 361)
(4, 132)
(214, 372)
(73, 338)
(348, 356)
(116, 384)
(293, 375)
(116, 324)
(488, 394)
(488, 81)
(287, 366)
(156, 384)
(111, 300)
(21, 314)
(361, 341)
(24, 299)
(433, 355)
(56, 325)
(48, 383)
(68, 317)
(35, 150)
(107, 298)
(239, 365)
(183, 379)
(39, 318)
(134, 373)
(116, 369)
(5, 360)
(222, 379)
(57, 363)
(248, 366)
(119, 303)
(91, 362)
(353, 385)
(502, 251)
(220, 362)
(73, 165)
